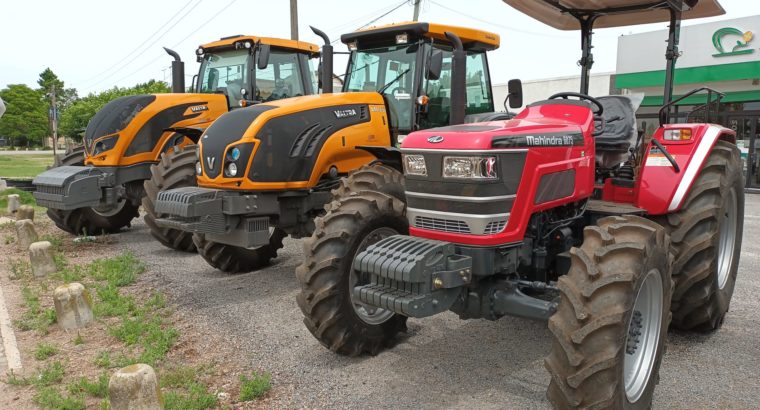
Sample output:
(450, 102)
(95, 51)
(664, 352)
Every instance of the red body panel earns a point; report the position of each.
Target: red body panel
(660, 189)
(554, 118)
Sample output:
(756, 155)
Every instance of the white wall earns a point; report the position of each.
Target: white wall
(536, 90)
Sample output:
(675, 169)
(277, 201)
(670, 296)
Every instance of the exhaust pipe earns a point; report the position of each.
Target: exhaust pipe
(458, 79)
(326, 67)
(178, 72)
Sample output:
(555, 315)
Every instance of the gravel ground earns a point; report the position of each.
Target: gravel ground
(442, 361)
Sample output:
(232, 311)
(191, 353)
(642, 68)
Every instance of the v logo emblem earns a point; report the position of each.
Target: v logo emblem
(210, 161)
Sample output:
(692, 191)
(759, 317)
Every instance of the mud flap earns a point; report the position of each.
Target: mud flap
(70, 187)
(411, 276)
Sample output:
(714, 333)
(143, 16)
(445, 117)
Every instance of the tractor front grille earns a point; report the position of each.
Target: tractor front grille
(495, 227)
(440, 224)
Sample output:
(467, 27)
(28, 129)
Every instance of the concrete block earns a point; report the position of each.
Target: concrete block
(135, 387)
(41, 258)
(73, 306)
(25, 212)
(25, 233)
(3, 185)
(13, 203)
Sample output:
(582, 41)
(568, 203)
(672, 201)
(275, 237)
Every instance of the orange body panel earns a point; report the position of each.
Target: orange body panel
(345, 157)
(216, 105)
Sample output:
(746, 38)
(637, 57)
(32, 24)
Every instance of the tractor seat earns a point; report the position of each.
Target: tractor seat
(614, 144)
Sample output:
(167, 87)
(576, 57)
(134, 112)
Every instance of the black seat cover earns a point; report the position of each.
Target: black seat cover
(620, 124)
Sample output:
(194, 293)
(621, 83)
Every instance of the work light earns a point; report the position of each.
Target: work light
(231, 169)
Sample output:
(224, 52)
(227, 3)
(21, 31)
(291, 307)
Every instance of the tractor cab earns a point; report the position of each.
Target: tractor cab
(428, 74)
(250, 69)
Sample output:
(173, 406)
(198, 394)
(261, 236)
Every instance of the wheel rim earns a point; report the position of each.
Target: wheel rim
(372, 315)
(643, 337)
(727, 239)
(108, 211)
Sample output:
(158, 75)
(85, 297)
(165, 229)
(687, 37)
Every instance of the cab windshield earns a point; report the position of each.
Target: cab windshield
(228, 72)
(389, 70)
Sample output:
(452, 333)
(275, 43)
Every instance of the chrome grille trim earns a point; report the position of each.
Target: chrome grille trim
(460, 198)
(452, 222)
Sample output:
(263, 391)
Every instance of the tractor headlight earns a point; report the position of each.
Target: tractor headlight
(231, 170)
(469, 167)
(235, 154)
(415, 165)
(198, 168)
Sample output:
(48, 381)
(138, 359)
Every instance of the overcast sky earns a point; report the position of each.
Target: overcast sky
(94, 44)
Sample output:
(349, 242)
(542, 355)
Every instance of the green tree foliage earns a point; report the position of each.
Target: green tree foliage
(75, 118)
(64, 96)
(25, 121)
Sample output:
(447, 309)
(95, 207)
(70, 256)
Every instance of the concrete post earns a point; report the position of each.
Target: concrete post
(3, 185)
(135, 387)
(41, 258)
(13, 203)
(25, 212)
(25, 233)
(73, 306)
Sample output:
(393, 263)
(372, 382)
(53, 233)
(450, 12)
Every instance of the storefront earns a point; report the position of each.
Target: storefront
(724, 56)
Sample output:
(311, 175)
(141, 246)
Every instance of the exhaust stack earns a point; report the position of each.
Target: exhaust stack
(178, 72)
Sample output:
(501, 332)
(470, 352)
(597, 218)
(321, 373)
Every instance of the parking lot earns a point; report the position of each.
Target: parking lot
(442, 361)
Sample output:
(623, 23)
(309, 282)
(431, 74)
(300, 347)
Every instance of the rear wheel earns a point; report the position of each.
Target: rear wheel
(234, 259)
(365, 210)
(611, 324)
(91, 221)
(175, 170)
(707, 237)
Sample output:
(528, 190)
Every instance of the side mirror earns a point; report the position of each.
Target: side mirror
(435, 66)
(515, 94)
(264, 50)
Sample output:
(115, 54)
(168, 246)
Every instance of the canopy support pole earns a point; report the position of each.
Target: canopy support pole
(671, 55)
(587, 57)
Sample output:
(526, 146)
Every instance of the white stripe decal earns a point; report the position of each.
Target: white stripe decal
(694, 166)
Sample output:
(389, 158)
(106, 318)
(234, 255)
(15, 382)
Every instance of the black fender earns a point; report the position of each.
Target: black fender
(192, 133)
(390, 156)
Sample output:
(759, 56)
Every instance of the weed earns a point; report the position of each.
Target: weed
(254, 387)
(98, 388)
(55, 240)
(103, 359)
(44, 351)
(14, 380)
(9, 239)
(79, 340)
(197, 398)
(49, 375)
(35, 317)
(19, 269)
(119, 271)
(156, 301)
(178, 376)
(51, 398)
(112, 303)
(149, 332)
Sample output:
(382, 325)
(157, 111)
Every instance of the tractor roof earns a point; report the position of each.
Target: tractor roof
(613, 13)
(274, 42)
(471, 38)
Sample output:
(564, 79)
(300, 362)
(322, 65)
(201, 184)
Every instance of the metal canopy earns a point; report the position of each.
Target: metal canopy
(563, 14)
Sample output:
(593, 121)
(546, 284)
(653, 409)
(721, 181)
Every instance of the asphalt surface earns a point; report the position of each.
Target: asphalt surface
(443, 362)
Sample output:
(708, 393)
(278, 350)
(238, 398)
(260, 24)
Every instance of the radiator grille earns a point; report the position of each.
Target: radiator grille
(50, 189)
(494, 227)
(440, 224)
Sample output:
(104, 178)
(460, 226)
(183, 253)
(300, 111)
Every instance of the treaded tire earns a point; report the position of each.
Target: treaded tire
(175, 170)
(234, 259)
(360, 206)
(591, 324)
(86, 220)
(699, 303)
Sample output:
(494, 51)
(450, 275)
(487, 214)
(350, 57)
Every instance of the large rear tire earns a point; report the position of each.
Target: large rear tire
(364, 210)
(234, 259)
(707, 238)
(175, 170)
(611, 324)
(90, 221)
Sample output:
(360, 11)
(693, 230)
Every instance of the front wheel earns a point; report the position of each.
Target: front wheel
(611, 324)
(234, 259)
(357, 218)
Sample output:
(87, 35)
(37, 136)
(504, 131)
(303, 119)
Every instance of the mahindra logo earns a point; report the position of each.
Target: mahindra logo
(210, 161)
(435, 139)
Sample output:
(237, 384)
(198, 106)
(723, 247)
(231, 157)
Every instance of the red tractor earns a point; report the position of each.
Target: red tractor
(566, 213)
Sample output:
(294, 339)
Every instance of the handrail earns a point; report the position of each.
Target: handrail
(664, 114)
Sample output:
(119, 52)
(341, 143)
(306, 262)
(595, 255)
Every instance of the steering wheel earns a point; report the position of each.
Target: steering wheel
(597, 109)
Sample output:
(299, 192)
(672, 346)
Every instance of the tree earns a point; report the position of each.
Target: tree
(64, 96)
(25, 117)
(75, 118)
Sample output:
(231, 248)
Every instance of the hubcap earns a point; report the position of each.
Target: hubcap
(108, 211)
(643, 337)
(727, 239)
(372, 315)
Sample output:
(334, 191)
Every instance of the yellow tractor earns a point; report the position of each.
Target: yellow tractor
(267, 171)
(98, 186)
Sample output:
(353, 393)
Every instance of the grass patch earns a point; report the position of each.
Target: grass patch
(98, 388)
(51, 398)
(55, 240)
(24, 166)
(79, 340)
(112, 303)
(195, 398)
(44, 351)
(24, 197)
(35, 317)
(178, 376)
(254, 387)
(148, 332)
(119, 271)
(19, 269)
(103, 359)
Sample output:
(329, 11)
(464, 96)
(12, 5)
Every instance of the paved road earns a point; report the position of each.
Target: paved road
(445, 362)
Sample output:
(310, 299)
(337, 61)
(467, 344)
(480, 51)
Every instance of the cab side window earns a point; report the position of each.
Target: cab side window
(281, 79)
